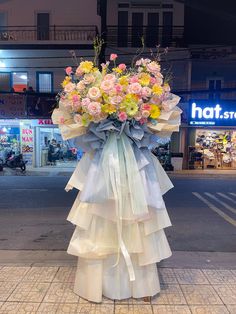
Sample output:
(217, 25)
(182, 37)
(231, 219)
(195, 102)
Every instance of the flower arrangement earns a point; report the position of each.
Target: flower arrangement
(118, 93)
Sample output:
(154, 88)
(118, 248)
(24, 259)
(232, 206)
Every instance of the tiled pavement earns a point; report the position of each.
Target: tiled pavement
(49, 290)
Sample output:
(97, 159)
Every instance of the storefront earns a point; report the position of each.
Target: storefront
(38, 140)
(211, 134)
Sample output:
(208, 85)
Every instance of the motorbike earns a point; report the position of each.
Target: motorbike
(14, 161)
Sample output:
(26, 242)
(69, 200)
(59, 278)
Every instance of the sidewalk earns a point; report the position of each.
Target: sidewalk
(67, 171)
(192, 282)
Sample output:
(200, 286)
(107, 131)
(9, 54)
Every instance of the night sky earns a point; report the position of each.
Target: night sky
(210, 21)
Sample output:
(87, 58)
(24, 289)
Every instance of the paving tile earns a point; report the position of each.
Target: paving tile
(190, 276)
(19, 308)
(95, 309)
(61, 292)
(231, 309)
(51, 308)
(13, 273)
(170, 294)
(200, 294)
(6, 289)
(166, 275)
(65, 274)
(132, 309)
(171, 309)
(29, 292)
(132, 301)
(104, 301)
(220, 276)
(1, 303)
(41, 274)
(227, 293)
(209, 309)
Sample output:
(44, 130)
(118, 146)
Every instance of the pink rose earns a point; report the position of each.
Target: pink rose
(153, 80)
(135, 88)
(146, 107)
(75, 98)
(69, 70)
(80, 86)
(113, 56)
(94, 108)
(116, 100)
(145, 113)
(122, 67)
(85, 102)
(146, 92)
(69, 87)
(94, 93)
(107, 85)
(122, 116)
(88, 78)
(153, 67)
(134, 79)
(109, 77)
(79, 72)
(118, 88)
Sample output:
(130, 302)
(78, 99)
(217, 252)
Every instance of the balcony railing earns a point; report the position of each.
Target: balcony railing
(130, 36)
(51, 33)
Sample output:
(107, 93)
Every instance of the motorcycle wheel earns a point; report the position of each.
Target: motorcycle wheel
(23, 167)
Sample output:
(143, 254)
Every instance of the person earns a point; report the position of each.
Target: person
(31, 90)
(51, 151)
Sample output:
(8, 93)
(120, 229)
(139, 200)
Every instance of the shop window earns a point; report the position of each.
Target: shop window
(5, 81)
(44, 82)
(19, 81)
(213, 149)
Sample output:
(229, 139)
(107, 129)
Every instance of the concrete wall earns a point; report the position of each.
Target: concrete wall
(73, 12)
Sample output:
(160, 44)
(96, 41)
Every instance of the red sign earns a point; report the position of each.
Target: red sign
(45, 122)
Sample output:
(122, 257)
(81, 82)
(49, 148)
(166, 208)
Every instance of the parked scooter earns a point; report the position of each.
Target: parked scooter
(14, 161)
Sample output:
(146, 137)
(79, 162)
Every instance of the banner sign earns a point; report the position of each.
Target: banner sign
(27, 143)
(212, 113)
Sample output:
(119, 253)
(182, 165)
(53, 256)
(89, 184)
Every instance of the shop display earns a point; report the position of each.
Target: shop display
(217, 148)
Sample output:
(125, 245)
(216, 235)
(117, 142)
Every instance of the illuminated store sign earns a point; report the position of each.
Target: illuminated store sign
(207, 112)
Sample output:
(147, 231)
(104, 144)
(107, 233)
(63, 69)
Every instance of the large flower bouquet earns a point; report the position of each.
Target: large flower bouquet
(138, 94)
(112, 113)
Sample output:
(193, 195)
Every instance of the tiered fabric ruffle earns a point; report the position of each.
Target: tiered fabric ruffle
(102, 268)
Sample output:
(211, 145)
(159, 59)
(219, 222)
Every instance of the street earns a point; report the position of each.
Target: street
(33, 213)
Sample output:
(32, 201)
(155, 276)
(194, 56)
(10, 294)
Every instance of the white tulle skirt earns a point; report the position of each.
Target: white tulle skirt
(102, 268)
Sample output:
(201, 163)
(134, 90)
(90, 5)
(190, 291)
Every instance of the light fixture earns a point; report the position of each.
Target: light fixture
(23, 77)
(2, 64)
(4, 129)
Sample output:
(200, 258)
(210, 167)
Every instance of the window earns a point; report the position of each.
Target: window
(19, 81)
(43, 26)
(214, 86)
(44, 82)
(5, 81)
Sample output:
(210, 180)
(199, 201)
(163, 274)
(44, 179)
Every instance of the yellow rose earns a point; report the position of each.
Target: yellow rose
(86, 66)
(144, 79)
(108, 108)
(155, 112)
(123, 80)
(157, 90)
(66, 81)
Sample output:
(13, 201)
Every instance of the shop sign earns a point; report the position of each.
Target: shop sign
(12, 106)
(45, 122)
(27, 143)
(212, 113)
